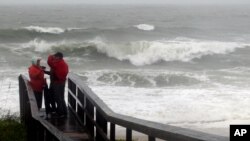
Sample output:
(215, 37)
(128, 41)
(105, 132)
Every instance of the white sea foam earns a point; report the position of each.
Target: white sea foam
(53, 30)
(145, 27)
(186, 107)
(143, 78)
(9, 101)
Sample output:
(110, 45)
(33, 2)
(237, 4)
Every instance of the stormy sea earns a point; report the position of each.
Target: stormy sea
(186, 66)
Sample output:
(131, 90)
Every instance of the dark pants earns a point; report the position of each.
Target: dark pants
(39, 98)
(59, 98)
(49, 99)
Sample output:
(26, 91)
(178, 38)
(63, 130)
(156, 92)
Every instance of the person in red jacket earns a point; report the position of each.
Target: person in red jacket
(58, 75)
(37, 80)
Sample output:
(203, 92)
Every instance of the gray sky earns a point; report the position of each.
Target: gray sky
(125, 1)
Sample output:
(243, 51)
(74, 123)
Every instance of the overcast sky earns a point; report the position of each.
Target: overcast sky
(125, 1)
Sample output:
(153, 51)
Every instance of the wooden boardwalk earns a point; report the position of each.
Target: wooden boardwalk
(90, 119)
(70, 127)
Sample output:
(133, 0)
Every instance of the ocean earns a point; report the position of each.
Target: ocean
(182, 65)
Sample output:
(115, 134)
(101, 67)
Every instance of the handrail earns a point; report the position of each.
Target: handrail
(93, 112)
(38, 129)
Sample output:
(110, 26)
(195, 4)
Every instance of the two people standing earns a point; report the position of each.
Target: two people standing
(54, 95)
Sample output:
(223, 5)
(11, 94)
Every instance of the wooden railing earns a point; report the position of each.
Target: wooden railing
(97, 117)
(37, 128)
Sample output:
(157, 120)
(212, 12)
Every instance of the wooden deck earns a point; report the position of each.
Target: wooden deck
(69, 126)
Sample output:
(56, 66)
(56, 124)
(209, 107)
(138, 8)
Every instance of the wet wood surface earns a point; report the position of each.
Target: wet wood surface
(70, 127)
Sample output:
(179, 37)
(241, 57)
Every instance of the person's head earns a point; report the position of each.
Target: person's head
(58, 55)
(36, 61)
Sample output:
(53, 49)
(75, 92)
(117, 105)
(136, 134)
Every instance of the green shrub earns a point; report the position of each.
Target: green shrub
(11, 129)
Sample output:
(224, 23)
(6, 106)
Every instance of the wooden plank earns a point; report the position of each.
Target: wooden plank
(77, 136)
(70, 127)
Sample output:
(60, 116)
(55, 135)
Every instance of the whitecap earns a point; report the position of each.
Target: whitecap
(53, 30)
(145, 27)
(38, 45)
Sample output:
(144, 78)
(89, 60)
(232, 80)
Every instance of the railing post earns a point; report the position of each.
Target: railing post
(112, 132)
(128, 134)
(102, 123)
(48, 136)
(71, 100)
(25, 112)
(21, 97)
(40, 132)
(90, 117)
(32, 130)
(80, 108)
(150, 138)
(28, 120)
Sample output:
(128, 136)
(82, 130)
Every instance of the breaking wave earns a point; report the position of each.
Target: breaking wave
(52, 30)
(145, 27)
(139, 53)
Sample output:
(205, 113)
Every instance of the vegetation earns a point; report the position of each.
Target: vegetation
(11, 129)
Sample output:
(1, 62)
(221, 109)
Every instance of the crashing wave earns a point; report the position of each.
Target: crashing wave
(140, 53)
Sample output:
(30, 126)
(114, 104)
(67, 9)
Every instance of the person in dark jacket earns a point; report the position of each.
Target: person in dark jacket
(37, 80)
(58, 73)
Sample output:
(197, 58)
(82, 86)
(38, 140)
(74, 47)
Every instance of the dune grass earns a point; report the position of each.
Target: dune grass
(11, 129)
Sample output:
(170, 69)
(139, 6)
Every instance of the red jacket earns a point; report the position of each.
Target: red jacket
(59, 69)
(37, 81)
(50, 60)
